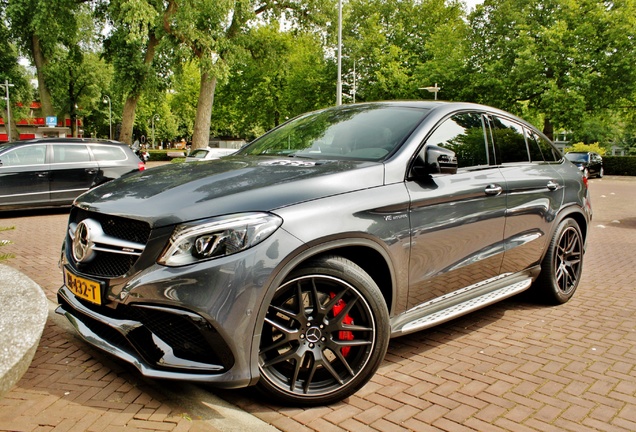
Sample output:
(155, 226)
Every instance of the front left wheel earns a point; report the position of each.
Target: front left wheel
(325, 334)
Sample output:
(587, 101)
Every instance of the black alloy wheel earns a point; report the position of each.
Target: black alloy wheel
(325, 334)
(563, 263)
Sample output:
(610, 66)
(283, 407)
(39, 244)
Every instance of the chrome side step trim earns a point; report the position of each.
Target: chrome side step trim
(425, 317)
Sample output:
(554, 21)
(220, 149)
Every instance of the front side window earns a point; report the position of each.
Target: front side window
(27, 155)
(360, 132)
(463, 134)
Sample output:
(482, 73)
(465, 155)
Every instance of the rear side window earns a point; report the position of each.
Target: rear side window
(463, 134)
(536, 154)
(70, 153)
(541, 149)
(108, 153)
(510, 141)
(550, 154)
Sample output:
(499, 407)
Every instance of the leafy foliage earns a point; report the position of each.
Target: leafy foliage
(5, 256)
(581, 147)
(566, 65)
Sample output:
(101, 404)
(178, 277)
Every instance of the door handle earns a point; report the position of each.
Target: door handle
(43, 174)
(91, 170)
(493, 189)
(552, 185)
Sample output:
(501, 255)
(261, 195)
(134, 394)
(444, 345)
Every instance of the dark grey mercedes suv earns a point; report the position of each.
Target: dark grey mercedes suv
(290, 264)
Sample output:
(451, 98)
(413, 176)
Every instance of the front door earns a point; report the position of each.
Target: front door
(24, 176)
(457, 221)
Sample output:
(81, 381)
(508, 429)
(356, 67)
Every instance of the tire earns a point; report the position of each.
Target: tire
(325, 334)
(562, 265)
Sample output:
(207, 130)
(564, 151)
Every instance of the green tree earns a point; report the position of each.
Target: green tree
(281, 74)
(400, 46)
(39, 27)
(78, 76)
(561, 58)
(212, 32)
(12, 72)
(581, 147)
(133, 48)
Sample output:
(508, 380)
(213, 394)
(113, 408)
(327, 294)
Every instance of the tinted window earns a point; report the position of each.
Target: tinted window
(355, 132)
(108, 153)
(27, 155)
(70, 153)
(463, 134)
(510, 140)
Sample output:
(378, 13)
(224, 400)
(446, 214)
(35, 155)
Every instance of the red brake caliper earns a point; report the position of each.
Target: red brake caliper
(345, 334)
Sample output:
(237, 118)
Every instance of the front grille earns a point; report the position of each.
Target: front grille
(110, 264)
(116, 226)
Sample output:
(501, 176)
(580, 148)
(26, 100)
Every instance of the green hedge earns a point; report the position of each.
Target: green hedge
(620, 165)
(159, 155)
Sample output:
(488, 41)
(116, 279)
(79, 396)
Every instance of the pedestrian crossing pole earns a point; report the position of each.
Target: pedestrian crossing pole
(7, 125)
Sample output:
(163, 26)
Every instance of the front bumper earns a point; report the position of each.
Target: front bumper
(162, 342)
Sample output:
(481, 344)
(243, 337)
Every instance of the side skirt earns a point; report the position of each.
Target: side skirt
(462, 302)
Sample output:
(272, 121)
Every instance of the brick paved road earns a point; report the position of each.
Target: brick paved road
(515, 366)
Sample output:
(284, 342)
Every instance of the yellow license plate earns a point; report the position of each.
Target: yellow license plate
(86, 289)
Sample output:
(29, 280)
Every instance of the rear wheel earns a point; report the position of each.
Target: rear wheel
(562, 265)
(325, 334)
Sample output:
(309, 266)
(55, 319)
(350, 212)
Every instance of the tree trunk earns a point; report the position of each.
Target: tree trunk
(40, 62)
(548, 128)
(201, 134)
(128, 119)
(130, 106)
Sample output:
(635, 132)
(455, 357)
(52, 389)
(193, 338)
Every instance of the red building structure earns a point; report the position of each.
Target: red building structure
(37, 127)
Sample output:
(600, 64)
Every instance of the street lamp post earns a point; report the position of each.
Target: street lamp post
(339, 83)
(153, 130)
(110, 118)
(6, 85)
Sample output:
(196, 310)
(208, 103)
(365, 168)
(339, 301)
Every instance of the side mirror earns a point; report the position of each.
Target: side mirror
(435, 160)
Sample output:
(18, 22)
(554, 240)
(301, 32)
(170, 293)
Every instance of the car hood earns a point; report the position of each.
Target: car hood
(183, 192)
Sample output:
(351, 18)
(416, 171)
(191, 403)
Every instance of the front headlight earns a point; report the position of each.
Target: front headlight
(213, 238)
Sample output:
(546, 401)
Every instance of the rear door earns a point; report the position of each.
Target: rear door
(72, 171)
(24, 176)
(457, 220)
(534, 192)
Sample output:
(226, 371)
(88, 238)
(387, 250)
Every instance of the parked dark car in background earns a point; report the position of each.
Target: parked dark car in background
(291, 264)
(52, 172)
(590, 163)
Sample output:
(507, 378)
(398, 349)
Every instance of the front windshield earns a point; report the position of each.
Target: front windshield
(366, 132)
(577, 157)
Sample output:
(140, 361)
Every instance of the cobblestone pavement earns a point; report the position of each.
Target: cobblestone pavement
(515, 366)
